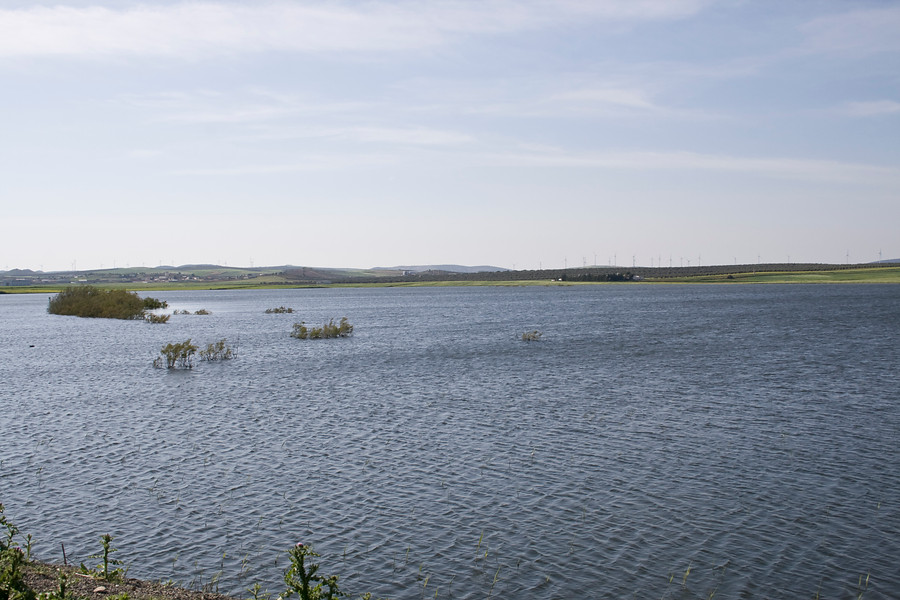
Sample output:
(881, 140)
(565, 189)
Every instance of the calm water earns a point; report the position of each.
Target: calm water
(749, 434)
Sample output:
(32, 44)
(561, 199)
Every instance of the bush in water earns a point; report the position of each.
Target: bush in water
(328, 330)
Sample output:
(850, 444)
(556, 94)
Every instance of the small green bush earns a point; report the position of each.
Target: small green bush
(176, 356)
(328, 330)
(303, 578)
(12, 560)
(102, 570)
(89, 301)
(218, 351)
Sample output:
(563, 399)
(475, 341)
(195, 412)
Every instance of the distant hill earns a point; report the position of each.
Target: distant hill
(443, 268)
(19, 272)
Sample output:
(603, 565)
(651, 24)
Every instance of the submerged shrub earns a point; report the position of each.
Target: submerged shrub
(153, 303)
(328, 330)
(176, 356)
(218, 351)
(279, 310)
(531, 336)
(89, 301)
(151, 318)
(202, 311)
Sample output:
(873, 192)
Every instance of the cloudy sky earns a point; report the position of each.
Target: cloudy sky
(517, 133)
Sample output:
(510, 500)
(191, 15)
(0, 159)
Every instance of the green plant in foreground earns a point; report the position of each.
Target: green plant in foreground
(60, 593)
(180, 355)
(12, 559)
(302, 577)
(257, 594)
(102, 570)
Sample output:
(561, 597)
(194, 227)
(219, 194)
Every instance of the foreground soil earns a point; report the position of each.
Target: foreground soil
(43, 578)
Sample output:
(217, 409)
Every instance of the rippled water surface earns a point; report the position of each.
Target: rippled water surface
(746, 434)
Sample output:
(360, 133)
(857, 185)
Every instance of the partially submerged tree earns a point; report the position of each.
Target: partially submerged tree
(90, 301)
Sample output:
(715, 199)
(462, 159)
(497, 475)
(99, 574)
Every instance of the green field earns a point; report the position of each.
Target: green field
(867, 275)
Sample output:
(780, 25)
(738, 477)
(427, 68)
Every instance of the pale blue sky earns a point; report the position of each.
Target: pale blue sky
(515, 133)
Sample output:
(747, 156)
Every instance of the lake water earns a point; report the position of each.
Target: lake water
(743, 436)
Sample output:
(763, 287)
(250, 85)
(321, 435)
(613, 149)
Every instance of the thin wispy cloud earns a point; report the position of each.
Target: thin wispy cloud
(418, 136)
(814, 171)
(855, 33)
(204, 29)
(410, 136)
(810, 170)
(872, 108)
(237, 107)
(306, 163)
(633, 99)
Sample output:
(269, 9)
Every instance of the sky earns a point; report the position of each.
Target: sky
(518, 133)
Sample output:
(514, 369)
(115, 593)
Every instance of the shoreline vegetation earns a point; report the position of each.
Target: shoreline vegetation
(24, 578)
(43, 578)
(210, 277)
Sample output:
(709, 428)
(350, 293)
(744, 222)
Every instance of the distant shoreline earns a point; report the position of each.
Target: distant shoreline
(234, 279)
